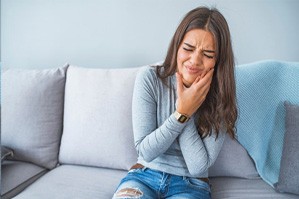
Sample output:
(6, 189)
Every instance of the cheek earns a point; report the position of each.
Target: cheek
(181, 58)
(210, 63)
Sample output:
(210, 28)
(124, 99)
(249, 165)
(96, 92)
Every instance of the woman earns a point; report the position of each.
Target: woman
(182, 110)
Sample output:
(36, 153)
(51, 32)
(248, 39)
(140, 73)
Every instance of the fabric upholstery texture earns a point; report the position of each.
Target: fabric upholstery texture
(70, 181)
(17, 175)
(98, 118)
(32, 114)
(91, 94)
(233, 161)
(238, 188)
(6, 153)
(289, 175)
(262, 88)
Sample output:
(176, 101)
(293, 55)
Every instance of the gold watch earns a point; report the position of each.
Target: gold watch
(181, 117)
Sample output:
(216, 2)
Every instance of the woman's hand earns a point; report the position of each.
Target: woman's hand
(190, 99)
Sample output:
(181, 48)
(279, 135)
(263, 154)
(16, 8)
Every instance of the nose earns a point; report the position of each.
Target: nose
(196, 59)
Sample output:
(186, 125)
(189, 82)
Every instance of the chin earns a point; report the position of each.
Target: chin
(187, 81)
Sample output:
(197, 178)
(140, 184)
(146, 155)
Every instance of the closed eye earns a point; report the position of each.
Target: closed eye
(209, 56)
(208, 53)
(188, 49)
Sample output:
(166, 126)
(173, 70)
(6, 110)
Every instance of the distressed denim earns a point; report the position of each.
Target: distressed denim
(146, 183)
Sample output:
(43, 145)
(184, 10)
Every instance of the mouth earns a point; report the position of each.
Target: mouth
(193, 70)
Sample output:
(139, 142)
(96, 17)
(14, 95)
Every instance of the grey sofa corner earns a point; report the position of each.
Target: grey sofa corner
(71, 132)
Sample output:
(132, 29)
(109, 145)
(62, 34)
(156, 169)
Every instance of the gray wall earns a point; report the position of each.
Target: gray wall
(130, 33)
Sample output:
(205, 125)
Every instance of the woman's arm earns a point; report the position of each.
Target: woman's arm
(151, 140)
(199, 154)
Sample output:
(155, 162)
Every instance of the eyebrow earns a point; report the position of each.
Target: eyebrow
(208, 51)
(189, 45)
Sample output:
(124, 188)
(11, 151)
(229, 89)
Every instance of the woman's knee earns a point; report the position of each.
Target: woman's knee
(128, 192)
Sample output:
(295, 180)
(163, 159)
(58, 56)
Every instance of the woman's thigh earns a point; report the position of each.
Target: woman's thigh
(189, 188)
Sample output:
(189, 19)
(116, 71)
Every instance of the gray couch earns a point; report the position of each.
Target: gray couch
(71, 133)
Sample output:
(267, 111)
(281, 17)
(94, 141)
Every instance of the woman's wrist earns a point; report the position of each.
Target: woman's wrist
(181, 117)
(183, 109)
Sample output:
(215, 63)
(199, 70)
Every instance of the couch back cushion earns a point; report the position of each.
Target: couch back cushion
(98, 118)
(32, 113)
(233, 161)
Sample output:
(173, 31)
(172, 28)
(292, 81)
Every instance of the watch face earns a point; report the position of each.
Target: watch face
(182, 119)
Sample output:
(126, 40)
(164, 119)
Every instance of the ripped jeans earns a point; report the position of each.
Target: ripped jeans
(146, 183)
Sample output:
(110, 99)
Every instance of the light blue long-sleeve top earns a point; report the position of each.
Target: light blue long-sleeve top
(163, 143)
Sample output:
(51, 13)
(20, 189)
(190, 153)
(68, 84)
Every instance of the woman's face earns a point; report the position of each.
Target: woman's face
(196, 55)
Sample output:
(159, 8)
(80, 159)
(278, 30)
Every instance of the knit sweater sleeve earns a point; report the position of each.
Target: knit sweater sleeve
(199, 154)
(150, 139)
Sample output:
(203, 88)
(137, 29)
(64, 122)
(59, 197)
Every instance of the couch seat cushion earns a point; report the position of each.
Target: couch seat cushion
(68, 181)
(17, 175)
(239, 188)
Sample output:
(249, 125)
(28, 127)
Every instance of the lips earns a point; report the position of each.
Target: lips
(193, 70)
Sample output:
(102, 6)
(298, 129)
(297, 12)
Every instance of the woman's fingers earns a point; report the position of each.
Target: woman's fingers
(206, 79)
(202, 86)
(180, 85)
(190, 99)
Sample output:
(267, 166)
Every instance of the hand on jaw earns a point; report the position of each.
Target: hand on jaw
(191, 98)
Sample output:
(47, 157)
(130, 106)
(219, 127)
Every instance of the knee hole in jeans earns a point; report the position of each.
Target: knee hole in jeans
(128, 193)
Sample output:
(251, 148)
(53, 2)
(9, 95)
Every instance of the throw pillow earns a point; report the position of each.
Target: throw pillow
(32, 113)
(97, 128)
(289, 177)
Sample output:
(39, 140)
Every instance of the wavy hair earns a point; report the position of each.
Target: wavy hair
(219, 110)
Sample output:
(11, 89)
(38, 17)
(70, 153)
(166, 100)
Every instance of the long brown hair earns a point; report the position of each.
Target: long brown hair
(219, 110)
